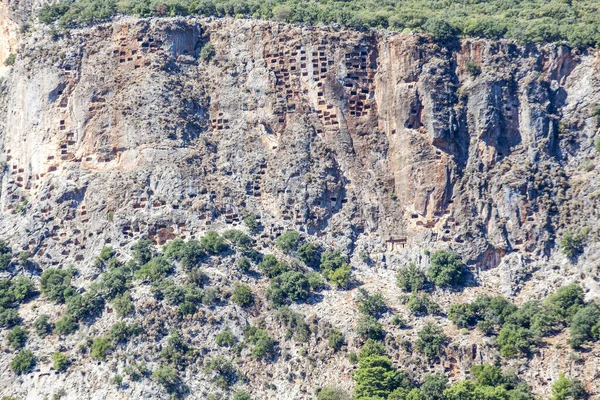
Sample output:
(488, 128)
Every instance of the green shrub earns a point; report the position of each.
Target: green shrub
(225, 339)
(597, 143)
(514, 341)
(263, 346)
(21, 288)
(207, 52)
(271, 267)
(113, 282)
(473, 68)
(489, 313)
(143, 251)
(289, 286)
(340, 277)
(242, 295)
(100, 348)
(85, 305)
(5, 255)
(367, 327)
(223, 373)
(316, 281)
(243, 265)
(572, 244)
(239, 239)
(121, 332)
(9, 317)
(168, 377)
(10, 60)
(191, 254)
(288, 241)
(565, 303)
(431, 341)
(433, 386)
(123, 304)
(17, 337)
(42, 325)
(370, 304)
(54, 283)
(307, 252)
(490, 383)
(446, 269)
(422, 304)
(154, 270)
(332, 260)
(66, 325)
(411, 278)
(213, 243)
(297, 327)
(335, 339)
(117, 380)
(23, 362)
(241, 395)
(376, 378)
(60, 362)
(177, 350)
(333, 393)
(585, 325)
(372, 348)
(567, 389)
(252, 223)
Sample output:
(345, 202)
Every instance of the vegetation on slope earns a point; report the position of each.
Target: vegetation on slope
(527, 21)
(174, 282)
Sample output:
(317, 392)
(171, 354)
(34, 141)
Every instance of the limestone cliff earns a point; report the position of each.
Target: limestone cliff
(374, 142)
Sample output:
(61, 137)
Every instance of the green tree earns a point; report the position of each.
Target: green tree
(567, 389)
(371, 304)
(5, 255)
(143, 251)
(100, 348)
(271, 267)
(66, 325)
(571, 244)
(288, 241)
(252, 223)
(565, 303)
(17, 337)
(60, 361)
(446, 269)
(207, 52)
(23, 362)
(411, 278)
(54, 283)
(263, 345)
(433, 386)
(307, 252)
(242, 295)
(168, 377)
(514, 341)
(335, 339)
(375, 377)
(42, 325)
(431, 341)
(585, 325)
(333, 393)
(223, 372)
(213, 243)
(225, 338)
(367, 327)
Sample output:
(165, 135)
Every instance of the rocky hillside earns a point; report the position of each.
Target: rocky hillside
(384, 146)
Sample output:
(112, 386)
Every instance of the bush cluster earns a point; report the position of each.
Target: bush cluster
(529, 21)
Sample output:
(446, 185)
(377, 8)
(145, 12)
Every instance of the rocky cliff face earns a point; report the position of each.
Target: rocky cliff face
(369, 141)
